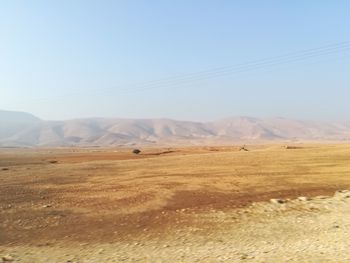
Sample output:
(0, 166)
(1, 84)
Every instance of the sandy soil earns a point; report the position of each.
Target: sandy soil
(297, 231)
(174, 205)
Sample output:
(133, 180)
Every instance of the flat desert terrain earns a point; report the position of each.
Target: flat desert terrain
(191, 204)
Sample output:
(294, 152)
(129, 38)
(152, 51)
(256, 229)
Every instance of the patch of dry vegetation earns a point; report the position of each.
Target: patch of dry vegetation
(110, 195)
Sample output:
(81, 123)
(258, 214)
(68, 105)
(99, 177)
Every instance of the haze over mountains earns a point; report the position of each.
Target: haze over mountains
(19, 129)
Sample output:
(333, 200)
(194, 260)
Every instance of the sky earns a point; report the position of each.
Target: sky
(158, 59)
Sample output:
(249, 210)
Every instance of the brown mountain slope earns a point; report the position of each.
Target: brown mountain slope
(26, 130)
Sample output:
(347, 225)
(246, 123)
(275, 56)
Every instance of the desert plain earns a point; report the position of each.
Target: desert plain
(189, 204)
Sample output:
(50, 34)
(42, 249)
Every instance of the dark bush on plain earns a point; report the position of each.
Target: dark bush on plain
(136, 151)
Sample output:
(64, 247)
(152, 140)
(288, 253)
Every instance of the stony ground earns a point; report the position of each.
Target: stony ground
(300, 230)
(200, 204)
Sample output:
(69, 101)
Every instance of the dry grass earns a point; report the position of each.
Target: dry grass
(59, 194)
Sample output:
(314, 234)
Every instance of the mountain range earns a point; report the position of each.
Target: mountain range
(20, 129)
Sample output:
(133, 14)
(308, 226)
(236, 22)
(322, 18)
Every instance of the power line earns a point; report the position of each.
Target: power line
(340, 45)
(245, 68)
(233, 69)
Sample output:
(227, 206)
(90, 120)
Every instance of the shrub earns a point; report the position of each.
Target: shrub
(136, 151)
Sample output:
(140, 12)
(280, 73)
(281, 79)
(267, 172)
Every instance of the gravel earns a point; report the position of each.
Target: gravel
(301, 230)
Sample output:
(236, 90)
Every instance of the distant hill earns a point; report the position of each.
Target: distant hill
(18, 129)
(17, 117)
(12, 122)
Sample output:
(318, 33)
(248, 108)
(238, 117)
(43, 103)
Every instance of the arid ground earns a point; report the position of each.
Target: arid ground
(192, 204)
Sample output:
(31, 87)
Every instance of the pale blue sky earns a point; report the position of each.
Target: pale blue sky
(69, 59)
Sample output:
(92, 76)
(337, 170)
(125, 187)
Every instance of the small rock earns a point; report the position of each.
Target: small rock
(343, 191)
(277, 201)
(303, 198)
(322, 197)
(342, 194)
(47, 206)
(7, 258)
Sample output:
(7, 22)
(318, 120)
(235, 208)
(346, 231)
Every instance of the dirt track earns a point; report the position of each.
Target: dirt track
(66, 196)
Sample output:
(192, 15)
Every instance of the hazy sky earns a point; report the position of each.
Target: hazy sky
(69, 59)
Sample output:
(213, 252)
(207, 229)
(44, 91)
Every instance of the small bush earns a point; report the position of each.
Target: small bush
(136, 151)
(243, 148)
